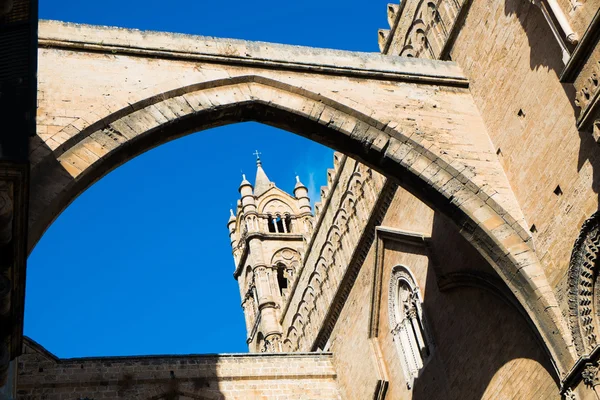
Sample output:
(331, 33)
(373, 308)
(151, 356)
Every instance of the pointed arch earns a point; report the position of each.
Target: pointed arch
(60, 175)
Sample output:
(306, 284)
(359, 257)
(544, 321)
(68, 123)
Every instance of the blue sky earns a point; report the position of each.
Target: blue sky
(140, 263)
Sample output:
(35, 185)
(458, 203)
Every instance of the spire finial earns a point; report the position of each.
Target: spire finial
(297, 179)
(257, 154)
(231, 212)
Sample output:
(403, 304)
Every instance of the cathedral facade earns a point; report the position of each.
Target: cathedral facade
(453, 253)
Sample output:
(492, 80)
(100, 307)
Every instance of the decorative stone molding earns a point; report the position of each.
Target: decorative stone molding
(334, 258)
(583, 377)
(590, 375)
(583, 71)
(382, 236)
(570, 395)
(408, 324)
(429, 30)
(422, 28)
(583, 301)
(273, 343)
(587, 97)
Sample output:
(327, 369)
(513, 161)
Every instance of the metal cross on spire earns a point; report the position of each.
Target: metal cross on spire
(257, 154)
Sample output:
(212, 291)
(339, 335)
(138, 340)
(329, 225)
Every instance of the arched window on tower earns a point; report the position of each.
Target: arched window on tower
(408, 324)
(260, 343)
(288, 223)
(271, 223)
(279, 224)
(282, 280)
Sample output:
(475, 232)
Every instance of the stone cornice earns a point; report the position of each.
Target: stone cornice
(129, 42)
(38, 347)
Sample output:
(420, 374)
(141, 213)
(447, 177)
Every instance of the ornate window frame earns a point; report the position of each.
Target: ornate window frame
(408, 324)
(584, 292)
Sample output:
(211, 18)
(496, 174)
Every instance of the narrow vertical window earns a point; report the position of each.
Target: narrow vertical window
(282, 280)
(270, 223)
(288, 223)
(408, 324)
(279, 224)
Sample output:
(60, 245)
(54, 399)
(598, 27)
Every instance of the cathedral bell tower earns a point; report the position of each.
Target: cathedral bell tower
(268, 236)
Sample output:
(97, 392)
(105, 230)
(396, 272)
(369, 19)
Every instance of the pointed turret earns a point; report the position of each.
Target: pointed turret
(244, 184)
(248, 199)
(231, 226)
(262, 182)
(301, 193)
(231, 218)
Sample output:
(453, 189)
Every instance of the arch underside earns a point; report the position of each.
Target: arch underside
(421, 135)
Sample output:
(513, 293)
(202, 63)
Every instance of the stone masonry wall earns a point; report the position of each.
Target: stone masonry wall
(483, 347)
(514, 65)
(208, 377)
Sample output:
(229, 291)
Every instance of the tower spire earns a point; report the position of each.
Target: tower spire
(262, 182)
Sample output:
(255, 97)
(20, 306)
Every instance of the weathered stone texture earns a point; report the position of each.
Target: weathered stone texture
(531, 119)
(410, 119)
(281, 377)
(475, 175)
(478, 354)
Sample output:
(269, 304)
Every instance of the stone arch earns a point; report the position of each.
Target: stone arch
(584, 299)
(288, 257)
(276, 206)
(481, 280)
(298, 321)
(58, 177)
(315, 280)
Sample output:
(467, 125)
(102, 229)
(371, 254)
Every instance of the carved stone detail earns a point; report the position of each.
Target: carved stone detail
(334, 256)
(273, 343)
(407, 322)
(588, 88)
(590, 375)
(430, 28)
(570, 394)
(583, 271)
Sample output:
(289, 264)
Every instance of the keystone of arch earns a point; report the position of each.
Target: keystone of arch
(93, 149)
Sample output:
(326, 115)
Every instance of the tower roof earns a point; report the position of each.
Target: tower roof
(244, 182)
(299, 184)
(262, 182)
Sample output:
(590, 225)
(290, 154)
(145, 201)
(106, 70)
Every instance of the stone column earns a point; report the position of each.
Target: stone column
(266, 301)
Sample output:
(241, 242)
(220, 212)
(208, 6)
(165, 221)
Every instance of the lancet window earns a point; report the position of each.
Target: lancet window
(282, 280)
(408, 325)
(271, 223)
(279, 224)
